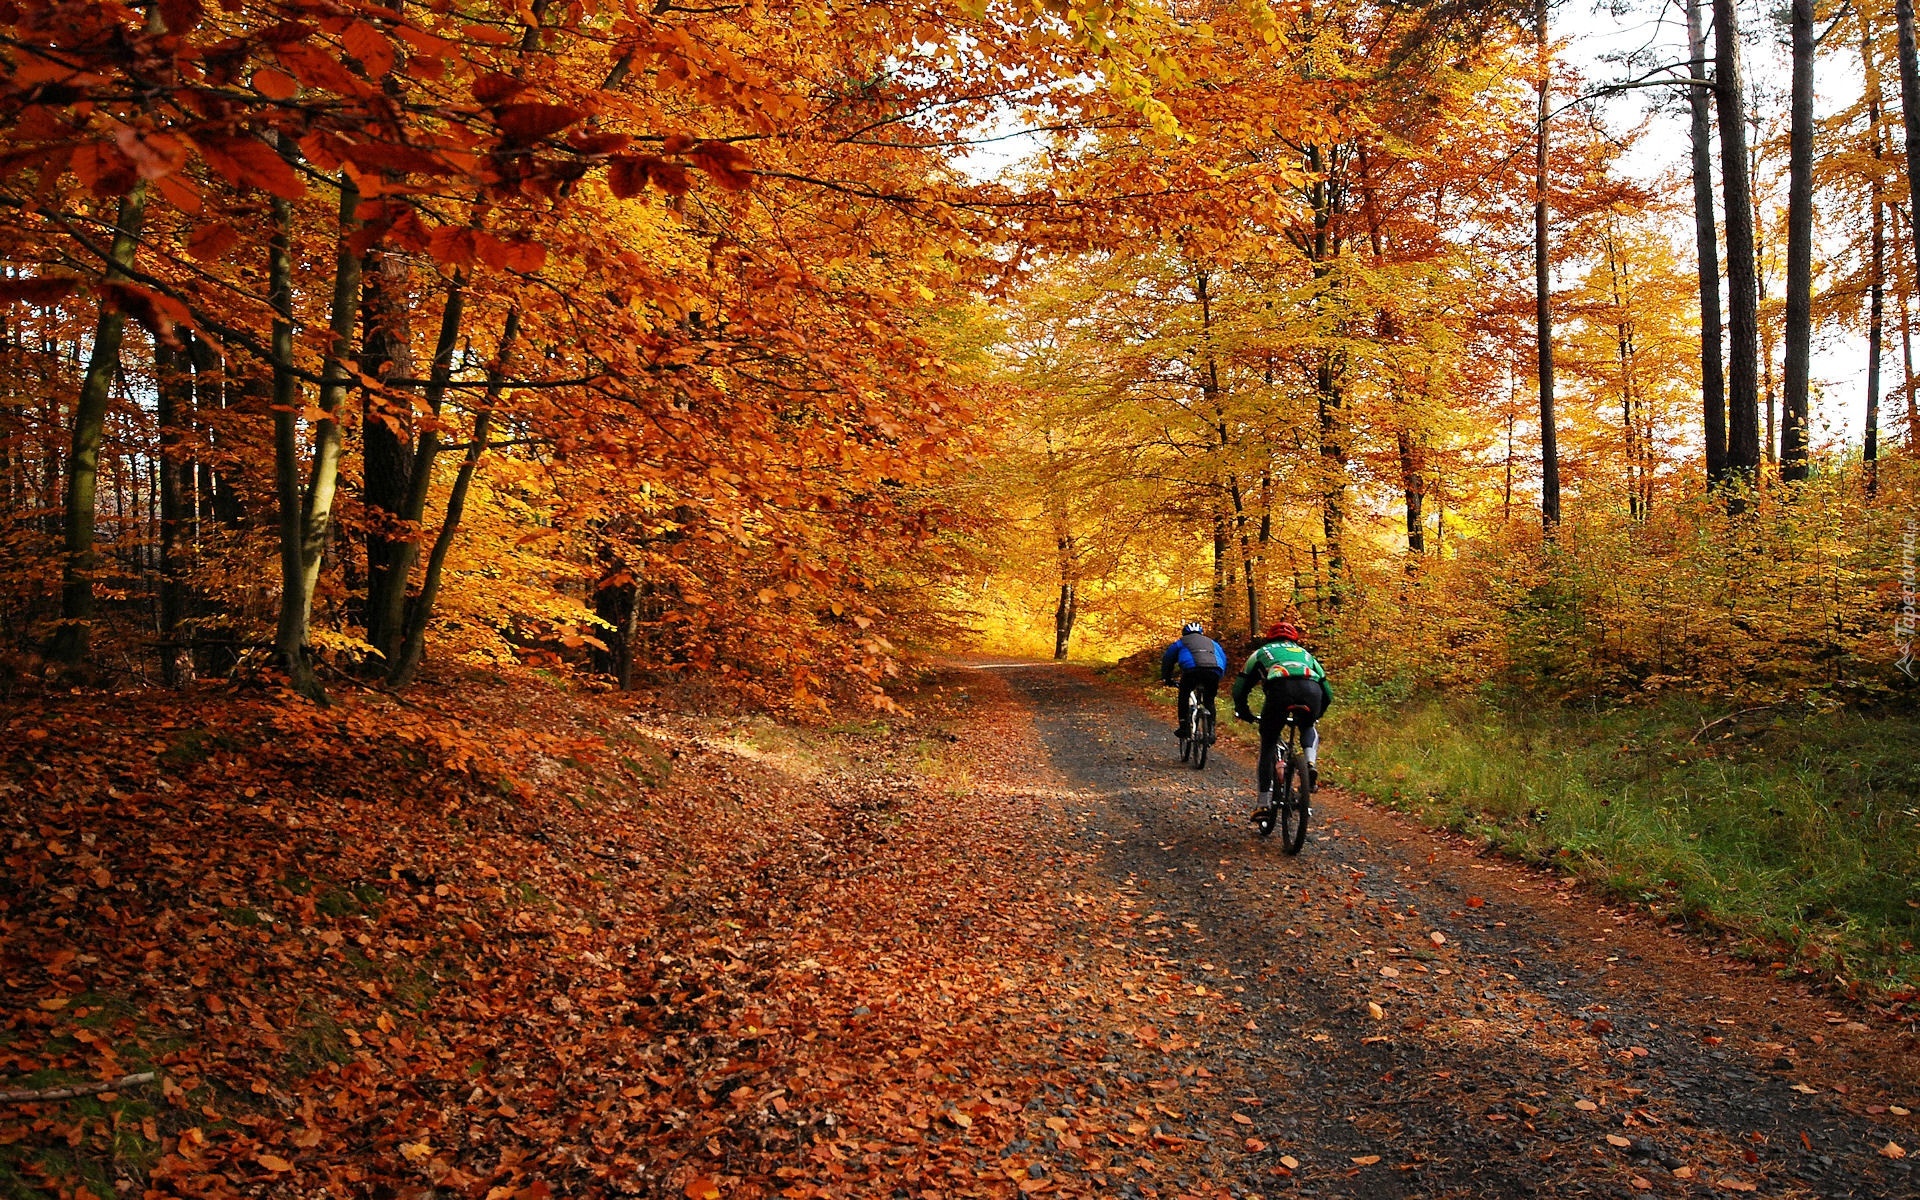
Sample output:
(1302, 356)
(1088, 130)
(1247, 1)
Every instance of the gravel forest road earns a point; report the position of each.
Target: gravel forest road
(1483, 1028)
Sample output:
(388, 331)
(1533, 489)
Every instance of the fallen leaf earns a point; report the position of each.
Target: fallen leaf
(1614, 1139)
(1475, 902)
(1366, 1160)
(702, 1187)
(1897, 1111)
(1437, 938)
(416, 1152)
(1289, 1162)
(1586, 1106)
(1683, 1172)
(1804, 1090)
(1242, 1119)
(1737, 1185)
(1893, 1150)
(1641, 1184)
(273, 1162)
(1255, 1145)
(1375, 1011)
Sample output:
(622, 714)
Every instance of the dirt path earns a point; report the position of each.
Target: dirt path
(1526, 1042)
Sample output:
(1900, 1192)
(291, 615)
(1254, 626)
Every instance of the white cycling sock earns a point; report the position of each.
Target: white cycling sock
(1313, 748)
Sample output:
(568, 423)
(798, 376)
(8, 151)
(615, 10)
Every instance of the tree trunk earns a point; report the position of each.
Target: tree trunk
(174, 405)
(1624, 349)
(387, 606)
(1415, 492)
(1333, 451)
(1713, 385)
(1220, 569)
(616, 597)
(386, 434)
(1794, 419)
(306, 515)
(1769, 444)
(1248, 557)
(1542, 295)
(421, 610)
(1063, 614)
(1902, 297)
(79, 558)
(1743, 331)
(290, 638)
(1910, 116)
(1877, 286)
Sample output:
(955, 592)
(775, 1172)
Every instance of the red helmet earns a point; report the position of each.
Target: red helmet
(1286, 630)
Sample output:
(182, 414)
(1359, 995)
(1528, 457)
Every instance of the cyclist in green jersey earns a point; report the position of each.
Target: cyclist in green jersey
(1288, 674)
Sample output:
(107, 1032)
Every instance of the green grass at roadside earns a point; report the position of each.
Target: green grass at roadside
(1797, 828)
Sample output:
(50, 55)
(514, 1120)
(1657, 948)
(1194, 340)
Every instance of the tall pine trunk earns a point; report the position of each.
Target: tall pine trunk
(1713, 383)
(1794, 416)
(1542, 293)
(79, 558)
(1743, 328)
(1910, 116)
(1877, 286)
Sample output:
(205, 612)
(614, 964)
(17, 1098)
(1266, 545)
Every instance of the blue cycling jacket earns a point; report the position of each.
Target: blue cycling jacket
(1195, 651)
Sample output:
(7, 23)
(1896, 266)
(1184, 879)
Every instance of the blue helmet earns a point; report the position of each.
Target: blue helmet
(1191, 627)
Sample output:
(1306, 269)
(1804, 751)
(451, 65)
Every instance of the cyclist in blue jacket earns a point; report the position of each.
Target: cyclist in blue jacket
(1202, 661)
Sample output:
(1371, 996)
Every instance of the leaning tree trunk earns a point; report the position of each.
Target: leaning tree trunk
(1542, 294)
(1713, 384)
(1743, 329)
(1794, 417)
(79, 559)
(306, 515)
(387, 595)
(420, 611)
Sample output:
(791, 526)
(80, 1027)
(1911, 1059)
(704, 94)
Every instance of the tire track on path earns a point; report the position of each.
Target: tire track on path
(1528, 1044)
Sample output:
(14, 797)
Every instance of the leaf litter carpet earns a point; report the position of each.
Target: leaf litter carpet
(542, 945)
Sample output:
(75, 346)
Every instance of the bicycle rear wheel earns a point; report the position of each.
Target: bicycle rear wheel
(1296, 786)
(1263, 819)
(1202, 736)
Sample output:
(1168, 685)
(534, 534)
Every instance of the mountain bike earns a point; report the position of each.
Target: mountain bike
(1194, 747)
(1293, 789)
